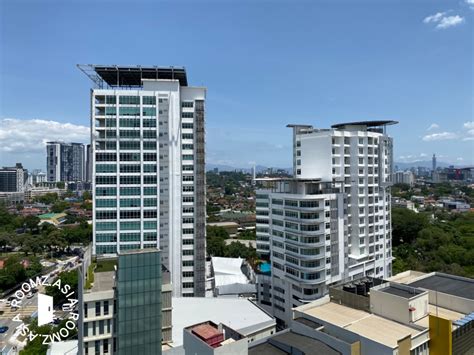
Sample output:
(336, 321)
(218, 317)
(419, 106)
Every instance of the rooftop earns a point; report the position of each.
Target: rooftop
(452, 285)
(238, 314)
(131, 76)
(103, 281)
(304, 344)
(368, 325)
(365, 123)
(402, 292)
(441, 312)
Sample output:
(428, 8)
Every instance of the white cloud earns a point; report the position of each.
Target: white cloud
(450, 21)
(440, 136)
(470, 3)
(460, 159)
(30, 136)
(433, 126)
(434, 18)
(469, 124)
(443, 21)
(423, 155)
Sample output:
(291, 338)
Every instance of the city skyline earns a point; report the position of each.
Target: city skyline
(369, 69)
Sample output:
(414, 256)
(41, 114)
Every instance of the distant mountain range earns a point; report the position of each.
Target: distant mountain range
(261, 168)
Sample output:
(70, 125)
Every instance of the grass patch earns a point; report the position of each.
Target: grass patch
(90, 276)
(106, 265)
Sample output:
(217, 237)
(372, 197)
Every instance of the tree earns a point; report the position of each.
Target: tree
(66, 278)
(406, 224)
(215, 246)
(59, 206)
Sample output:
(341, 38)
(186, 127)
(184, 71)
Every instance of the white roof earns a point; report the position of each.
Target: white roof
(237, 313)
(62, 347)
(228, 271)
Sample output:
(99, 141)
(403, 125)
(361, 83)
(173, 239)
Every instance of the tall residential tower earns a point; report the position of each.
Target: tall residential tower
(331, 221)
(148, 168)
(65, 162)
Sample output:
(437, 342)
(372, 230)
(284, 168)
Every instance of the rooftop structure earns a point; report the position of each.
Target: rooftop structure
(456, 286)
(298, 343)
(131, 76)
(241, 314)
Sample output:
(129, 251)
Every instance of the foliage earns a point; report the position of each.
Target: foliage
(14, 273)
(406, 225)
(215, 231)
(48, 198)
(248, 235)
(60, 184)
(35, 346)
(445, 245)
(59, 206)
(106, 265)
(66, 278)
(90, 276)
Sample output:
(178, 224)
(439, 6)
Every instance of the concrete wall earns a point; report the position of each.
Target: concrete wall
(396, 307)
(316, 156)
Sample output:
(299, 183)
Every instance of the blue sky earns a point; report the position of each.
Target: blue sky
(265, 64)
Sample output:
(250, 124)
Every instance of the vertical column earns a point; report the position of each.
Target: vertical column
(200, 202)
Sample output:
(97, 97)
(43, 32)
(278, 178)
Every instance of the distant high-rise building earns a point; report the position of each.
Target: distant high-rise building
(149, 169)
(65, 162)
(433, 161)
(13, 179)
(404, 177)
(331, 221)
(88, 163)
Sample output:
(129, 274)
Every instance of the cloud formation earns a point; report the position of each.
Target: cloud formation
(442, 136)
(30, 136)
(443, 21)
(433, 126)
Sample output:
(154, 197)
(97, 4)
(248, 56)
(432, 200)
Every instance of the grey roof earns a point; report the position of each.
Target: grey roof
(236, 289)
(402, 292)
(288, 339)
(103, 281)
(452, 285)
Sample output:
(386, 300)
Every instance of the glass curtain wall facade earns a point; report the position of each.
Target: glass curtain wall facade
(139, 303)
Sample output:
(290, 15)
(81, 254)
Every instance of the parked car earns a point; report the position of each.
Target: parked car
(3, 329)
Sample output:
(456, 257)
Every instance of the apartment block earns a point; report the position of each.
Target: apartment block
(65, 162)
(13, 179)
(331, 220)
(128, 309)
(148, 168)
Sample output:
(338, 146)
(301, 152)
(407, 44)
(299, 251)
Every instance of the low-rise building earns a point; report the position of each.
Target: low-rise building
(126, 310)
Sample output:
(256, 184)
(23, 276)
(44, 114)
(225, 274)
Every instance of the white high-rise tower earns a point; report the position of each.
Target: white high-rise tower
(330, 222)
(148, 168)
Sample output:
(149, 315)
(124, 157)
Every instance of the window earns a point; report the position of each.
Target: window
(129, 100)
(187, 125)
(130, 156)
(106, 168)
(105, 180)
(149, 100)
(85, 309)
(187, 136)
(97, 309)
(97, 346)
(106, 346)
(187, 104)
(149, 111)
(130, 168)
(187, 114)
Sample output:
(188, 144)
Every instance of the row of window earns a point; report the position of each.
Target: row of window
(112, 226)
(126, 180)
